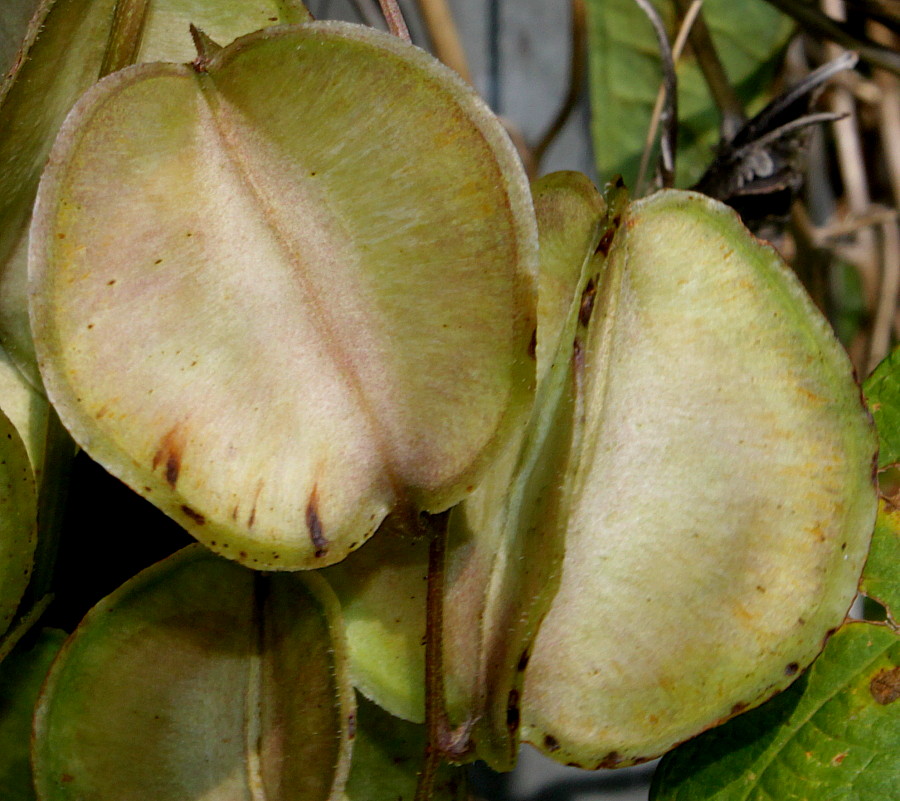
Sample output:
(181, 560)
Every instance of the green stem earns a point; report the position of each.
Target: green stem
(23, 626)
(436, 722)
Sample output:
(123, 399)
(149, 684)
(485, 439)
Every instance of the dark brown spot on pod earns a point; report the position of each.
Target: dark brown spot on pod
(611, 760)
(198, 518)
(551, 743)
(523, 661)
(587, 303)
(885, 686)
(605, 241)
(351, 726)
(791, 669)
(314, 524)
(532, 345)
(739, 707)
(512, 711)
(577, 354)
(168, 454)
(173, 467)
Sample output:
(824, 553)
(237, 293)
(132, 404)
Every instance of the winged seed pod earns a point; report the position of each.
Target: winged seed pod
(198, 679)
(721, 496)
(310, 299)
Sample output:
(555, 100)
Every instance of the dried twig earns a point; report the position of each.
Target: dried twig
(876, 216)
(851, 162)
(677, 48)
(828, 27)
(394, 18)
(723, 94)
(444, 36)
(886, 310)
(669, 114)
(888, 106)
(576, 79)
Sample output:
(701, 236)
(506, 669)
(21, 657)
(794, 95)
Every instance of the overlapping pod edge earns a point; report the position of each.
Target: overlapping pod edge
(709, 516)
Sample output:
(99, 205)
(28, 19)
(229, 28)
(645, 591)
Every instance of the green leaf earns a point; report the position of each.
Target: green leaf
(324, 308)
(626, 74)
(200, 679)
(21, 676)
(881, 578)
(387, 756)
(882, 391)
(835, 734)
(68, 42)
(720, 503)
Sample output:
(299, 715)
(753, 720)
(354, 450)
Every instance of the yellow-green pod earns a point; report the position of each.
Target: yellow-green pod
(721, 499)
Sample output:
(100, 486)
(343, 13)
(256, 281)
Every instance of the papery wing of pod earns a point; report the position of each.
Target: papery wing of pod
(199, 678)
(721, 500)
(311, 300)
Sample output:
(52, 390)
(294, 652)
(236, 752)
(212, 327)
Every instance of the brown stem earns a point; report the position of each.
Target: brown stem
(677, 48)
(436, 722)
(394, 18)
